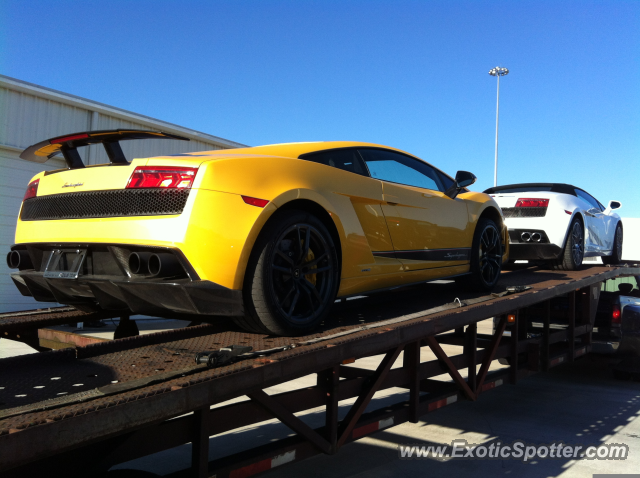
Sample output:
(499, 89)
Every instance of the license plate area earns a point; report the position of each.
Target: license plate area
(65, 263)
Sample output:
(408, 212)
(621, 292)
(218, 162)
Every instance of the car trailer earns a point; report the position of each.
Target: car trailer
(81, 410)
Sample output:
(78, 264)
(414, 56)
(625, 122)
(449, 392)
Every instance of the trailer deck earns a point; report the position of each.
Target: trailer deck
(85, 409)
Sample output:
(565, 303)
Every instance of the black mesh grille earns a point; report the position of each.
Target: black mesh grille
(123, 202)
(524, 211)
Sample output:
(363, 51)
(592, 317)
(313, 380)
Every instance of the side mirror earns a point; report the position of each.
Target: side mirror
(463, 179)
(614, 205)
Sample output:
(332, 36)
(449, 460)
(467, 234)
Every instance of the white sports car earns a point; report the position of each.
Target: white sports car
(559, 224)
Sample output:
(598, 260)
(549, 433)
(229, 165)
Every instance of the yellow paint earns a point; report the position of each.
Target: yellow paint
(217, 230)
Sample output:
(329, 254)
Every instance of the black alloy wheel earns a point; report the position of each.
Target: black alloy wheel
(486, 257)
(302, 274)
(291, 285)
(490, 254)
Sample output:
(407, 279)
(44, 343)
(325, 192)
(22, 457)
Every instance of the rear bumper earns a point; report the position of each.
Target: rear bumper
(533, 252)
(164, 298)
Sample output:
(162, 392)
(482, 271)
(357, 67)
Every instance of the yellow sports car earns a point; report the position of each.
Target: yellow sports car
(269, 235)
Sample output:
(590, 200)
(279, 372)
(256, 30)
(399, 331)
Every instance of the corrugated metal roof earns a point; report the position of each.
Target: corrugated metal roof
(79, 110)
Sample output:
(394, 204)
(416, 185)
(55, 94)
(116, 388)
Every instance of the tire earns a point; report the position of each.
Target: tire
(573, 253)
(486, 257)
(616, 253)
(281, 294)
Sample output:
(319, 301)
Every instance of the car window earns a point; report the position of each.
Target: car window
(589, 198)
(346, 159)
(446, 181)
(398, 168)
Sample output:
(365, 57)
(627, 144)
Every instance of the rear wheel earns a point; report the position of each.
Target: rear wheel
(616, 254)
(573, 253)
(292, 277)
(486, 257)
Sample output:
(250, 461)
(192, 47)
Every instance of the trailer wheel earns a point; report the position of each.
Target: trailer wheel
(292, 277)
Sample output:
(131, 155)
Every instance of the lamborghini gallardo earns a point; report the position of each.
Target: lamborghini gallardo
(268, 235)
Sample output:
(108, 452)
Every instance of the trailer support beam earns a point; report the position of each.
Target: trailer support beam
(274, 407)
(451, 368)
(545, 336)
(490, 353)
(200, 443)
(329, 382)
(363, 400)
(571, 331)
(412, 364)
(470, 351)
(515, 338)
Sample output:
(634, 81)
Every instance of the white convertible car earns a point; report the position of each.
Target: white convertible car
(559, 224)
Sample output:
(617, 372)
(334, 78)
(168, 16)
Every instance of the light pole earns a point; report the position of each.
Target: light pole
(498, 72)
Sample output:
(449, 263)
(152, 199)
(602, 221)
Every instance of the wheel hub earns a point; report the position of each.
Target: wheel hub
(490, 255)
(302, 273)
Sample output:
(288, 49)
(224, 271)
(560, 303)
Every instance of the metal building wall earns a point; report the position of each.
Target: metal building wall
(29, 114)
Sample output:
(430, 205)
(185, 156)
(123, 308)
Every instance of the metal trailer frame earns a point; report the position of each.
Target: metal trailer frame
(152, 414)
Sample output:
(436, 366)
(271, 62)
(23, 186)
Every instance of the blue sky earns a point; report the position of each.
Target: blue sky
(409, 74)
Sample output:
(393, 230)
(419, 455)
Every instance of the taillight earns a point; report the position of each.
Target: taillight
(255, 201)
(616, 316)
(32, 190)
(532, 202)
(162, 177)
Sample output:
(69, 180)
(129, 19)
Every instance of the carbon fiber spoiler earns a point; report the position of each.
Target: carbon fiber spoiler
(68, 145)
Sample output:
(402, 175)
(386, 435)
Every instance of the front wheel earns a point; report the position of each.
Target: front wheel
(486, 257)
(292, 276)
(616, 253)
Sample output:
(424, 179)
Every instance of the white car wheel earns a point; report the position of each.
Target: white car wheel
(616, 253)
(573, 253)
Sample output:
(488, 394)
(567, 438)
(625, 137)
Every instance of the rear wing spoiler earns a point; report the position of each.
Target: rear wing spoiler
(68, 145)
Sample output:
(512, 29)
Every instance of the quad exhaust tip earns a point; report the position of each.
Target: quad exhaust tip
(162, 264)
(19, 260)
(531, 236)
(138, 262)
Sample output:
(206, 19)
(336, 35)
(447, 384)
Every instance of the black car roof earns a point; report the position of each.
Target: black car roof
(524, 187)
